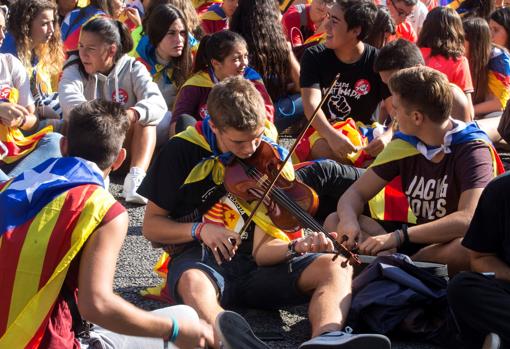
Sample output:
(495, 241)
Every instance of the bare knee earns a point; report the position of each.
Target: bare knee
(324, 271)
(195, 283)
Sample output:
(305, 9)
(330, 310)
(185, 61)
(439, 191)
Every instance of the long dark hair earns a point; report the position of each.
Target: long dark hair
(258, 22)
(478, 35)
(502, 17)
(383, 24)
(157, 24)
(216, 46)
(110, 31)
(442, 32)
(476, 8)
(187, 9)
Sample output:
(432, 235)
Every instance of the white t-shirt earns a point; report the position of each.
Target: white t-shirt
(418, 16)
(13, 74)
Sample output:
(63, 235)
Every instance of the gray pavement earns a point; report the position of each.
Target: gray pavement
(134, 272)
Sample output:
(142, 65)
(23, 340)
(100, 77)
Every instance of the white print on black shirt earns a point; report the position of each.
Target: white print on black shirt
(427, 198)
(338, 105)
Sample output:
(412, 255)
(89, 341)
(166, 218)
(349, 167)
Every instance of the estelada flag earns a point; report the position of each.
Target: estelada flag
(47, 214)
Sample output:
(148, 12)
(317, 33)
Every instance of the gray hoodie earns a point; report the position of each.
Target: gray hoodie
(129, 83)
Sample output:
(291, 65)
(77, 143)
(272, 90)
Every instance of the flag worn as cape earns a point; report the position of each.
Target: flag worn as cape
(51, 211)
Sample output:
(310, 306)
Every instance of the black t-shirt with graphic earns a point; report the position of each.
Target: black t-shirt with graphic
(356, 94)
(489, 231)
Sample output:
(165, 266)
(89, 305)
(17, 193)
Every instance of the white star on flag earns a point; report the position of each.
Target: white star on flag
(33, 180)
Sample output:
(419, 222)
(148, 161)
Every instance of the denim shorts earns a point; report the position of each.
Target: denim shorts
(240, 281)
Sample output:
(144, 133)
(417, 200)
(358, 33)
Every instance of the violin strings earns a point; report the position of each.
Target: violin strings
(291, 204)
(304, 216)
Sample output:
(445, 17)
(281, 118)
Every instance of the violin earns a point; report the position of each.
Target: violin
(296, 203)
(246, 178)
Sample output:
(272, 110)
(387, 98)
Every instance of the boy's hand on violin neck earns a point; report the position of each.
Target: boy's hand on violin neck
(222, 242)
(315, 242)
(350, 229)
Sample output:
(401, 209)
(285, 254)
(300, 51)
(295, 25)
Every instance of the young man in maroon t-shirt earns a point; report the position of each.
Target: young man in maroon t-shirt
(443, 165)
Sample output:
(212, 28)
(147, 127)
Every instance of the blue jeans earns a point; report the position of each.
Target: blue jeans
(48, 147)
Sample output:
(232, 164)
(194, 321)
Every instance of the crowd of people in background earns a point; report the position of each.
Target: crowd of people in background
(407, 107)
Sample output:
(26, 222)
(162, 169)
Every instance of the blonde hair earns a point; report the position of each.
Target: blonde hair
(51, 54)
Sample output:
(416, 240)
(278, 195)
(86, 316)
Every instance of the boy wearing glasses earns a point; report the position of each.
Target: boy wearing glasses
(401, 11)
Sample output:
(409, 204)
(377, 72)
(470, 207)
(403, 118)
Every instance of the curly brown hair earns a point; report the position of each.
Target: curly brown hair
(51, 54)
(258, 22)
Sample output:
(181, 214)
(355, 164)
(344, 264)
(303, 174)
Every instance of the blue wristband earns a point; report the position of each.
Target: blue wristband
(175, 330)
(194, 231)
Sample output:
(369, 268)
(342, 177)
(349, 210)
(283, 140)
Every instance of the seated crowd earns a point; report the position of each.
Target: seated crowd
(406, 103)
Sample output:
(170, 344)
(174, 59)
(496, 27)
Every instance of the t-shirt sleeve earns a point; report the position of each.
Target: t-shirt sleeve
(387, 171)
(462, 76)
(20, 81)
(487, 230)
(474, 167)
(291, 22)
(166, 175)
(309, 69)
(113, 212)
(187, 102)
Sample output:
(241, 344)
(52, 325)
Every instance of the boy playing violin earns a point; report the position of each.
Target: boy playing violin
(212, 266)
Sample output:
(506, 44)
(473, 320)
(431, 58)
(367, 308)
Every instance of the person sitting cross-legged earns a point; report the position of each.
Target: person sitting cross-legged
(212, 265)
(441, 165)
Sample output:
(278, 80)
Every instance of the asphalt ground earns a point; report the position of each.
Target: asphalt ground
(134, 273)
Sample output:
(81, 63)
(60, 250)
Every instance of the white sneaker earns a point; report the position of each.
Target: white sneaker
(347, 340)
(131, 183)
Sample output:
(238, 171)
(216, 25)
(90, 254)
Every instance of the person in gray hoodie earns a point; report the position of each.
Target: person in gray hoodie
(103, 70)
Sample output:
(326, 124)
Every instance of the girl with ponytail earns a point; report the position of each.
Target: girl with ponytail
(219, 56)
(103, 70)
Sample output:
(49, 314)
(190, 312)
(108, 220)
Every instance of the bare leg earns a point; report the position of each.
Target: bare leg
(198, 291)
(452, 254)
(331, 298)
(141, 142)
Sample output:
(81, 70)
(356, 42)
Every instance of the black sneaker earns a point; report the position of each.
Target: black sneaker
(236, 333)
(347, 340)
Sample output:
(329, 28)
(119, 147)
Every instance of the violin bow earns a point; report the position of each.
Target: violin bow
(341, 249)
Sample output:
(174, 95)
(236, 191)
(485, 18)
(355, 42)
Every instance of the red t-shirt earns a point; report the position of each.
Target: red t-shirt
(406, 31)
(457, 70)
(59, 332)
(291, 22)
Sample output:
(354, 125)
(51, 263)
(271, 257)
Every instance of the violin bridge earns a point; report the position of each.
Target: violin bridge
(262, 181)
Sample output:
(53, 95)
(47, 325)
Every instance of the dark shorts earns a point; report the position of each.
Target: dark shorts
(241, 281)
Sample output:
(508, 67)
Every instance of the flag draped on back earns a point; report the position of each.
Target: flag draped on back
(499, 75)
(47, 215)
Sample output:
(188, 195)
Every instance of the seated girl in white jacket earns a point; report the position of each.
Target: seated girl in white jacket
(103, 70)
